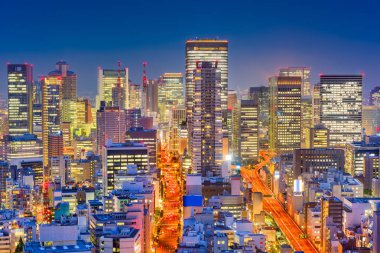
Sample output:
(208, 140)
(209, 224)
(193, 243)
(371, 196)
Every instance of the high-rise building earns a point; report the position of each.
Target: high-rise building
(304, 73)
(374, 96)
(111, 125)
(4, 174)
(233, 124)
(341, 107)
(307, 118)
(55, 145)
(148, 137)
(51, 109)
(37, 109)
(249, 124)
(355, 153)
(371, 119)
(177, 117)
(206, 123)
(69, 79)
(317, 103)
(134, 96)
(206, 50)
(151, 98)
(285, 113)
(117, 156)
(317, 137)
(113, 87)
(20, 98)
(170, 94)
(261, 96)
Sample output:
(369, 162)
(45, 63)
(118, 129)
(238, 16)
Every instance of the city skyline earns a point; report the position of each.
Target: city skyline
(259, 46)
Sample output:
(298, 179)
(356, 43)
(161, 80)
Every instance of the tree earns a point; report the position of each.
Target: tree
(20, 246)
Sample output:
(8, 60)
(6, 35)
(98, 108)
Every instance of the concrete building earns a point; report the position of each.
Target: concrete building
(285, 113)
(148, 137)
(317, 137)
(249, 131)
(205, 127)
(20, 98)
(341, 107)
(371, 119)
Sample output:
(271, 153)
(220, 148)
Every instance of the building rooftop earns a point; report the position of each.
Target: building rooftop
(362, 200)
(36, 247)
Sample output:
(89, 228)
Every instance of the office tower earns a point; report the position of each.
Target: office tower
(55, 145)
(151, 98)
(306, 118)
(117, 156)
(317, 104)
(177, 117)
(302, 72)
(341, 107)
(77, 113)
(148, 137)
(59, 168)
(261, 96)
(355, 153)
(371, 170)
(20, 98)
(374, 96)
(69, 79)
(317, 159)
(51, 109)
(111, 125)
(317, 137)
(249, 139)
(206, 50)
(134, 96)
(376, 228)
(233, 124)
(206, 123)
(108, 79)
(170, 94)
(285, 113)
(371, 119)
(23, 146)
(332, 220)
(132, 117)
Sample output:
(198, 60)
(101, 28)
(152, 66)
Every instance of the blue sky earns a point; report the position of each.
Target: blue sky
(329, 36)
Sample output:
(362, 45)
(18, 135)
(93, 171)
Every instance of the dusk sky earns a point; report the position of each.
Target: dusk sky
(331, 37)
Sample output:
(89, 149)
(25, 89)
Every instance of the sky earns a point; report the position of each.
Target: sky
(331, 37)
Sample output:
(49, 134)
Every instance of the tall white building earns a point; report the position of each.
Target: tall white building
(341, 107)
(206, 129)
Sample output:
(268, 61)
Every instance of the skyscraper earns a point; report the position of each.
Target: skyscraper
(69, 80)
(285, 113)
(20, 98)
(341, 107)
(111, 125)
(170, 94)
(304, 73)
(261, 96)
(249, 124)
(371, 119)
(113, 85)
(206, 50)
(51, 109)
(206, 123)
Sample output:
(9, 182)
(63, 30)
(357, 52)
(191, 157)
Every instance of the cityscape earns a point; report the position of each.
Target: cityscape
(187, 161)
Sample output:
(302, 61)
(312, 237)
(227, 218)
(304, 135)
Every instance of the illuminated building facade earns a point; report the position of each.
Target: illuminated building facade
(355, 153)
(316, 103)
(151, 98)
(374, 96)
(285, 113)
(20, 98)
(332, 216)
(117, 156)
(108, 79)
(177, 117)
(206, 50)
(371, 119)
(261, 96)
(148, 137)
(307, 118)
(51, 109)
(37, 109)
(134, 96)
(69, 80)
(55, 144)
(233, 124)
(170, 94)
(317, 159)
(317, 137)
(206, 123)
(23, 146)
(111, 125)
(4, 174)
(341, 107)
(304, 73)
(249, 124)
